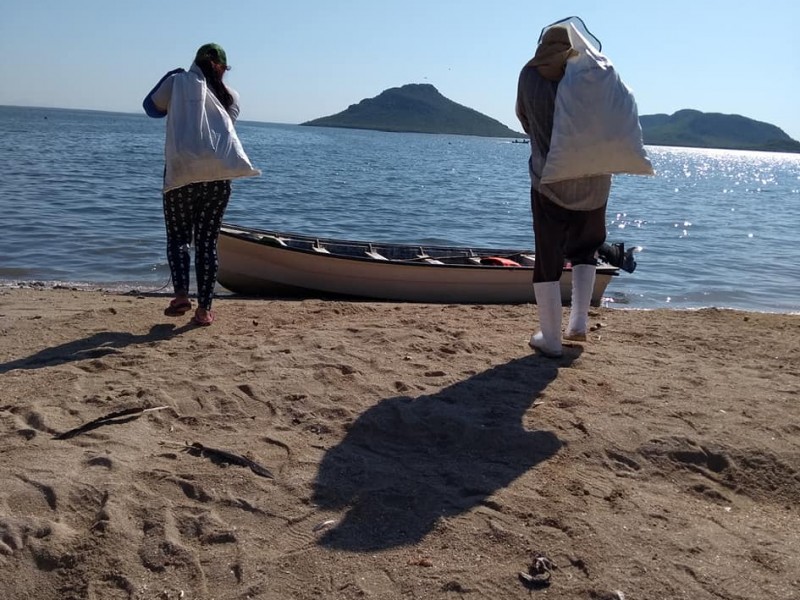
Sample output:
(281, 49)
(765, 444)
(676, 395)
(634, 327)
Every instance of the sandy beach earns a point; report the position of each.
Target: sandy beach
(301, 449)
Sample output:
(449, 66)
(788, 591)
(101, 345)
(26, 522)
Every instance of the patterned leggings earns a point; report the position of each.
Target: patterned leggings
(195, 211)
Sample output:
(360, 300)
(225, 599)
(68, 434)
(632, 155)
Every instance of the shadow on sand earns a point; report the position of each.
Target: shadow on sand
(94, 346)
(407, 462)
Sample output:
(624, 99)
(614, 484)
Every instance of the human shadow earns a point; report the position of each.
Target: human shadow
(407, 462)
(94, 346)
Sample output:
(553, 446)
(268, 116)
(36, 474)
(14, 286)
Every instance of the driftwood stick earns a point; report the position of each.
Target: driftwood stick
(225, 456)
(114, 418)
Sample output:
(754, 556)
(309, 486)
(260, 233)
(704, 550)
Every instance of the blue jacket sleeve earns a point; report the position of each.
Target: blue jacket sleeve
(150, 109)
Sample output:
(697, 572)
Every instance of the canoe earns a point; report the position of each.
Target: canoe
(257, 262)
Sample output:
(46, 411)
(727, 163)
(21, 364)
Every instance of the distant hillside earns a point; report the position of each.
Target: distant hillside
(418, 108)
(714, 130)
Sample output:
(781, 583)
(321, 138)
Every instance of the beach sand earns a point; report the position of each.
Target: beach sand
(417, 451)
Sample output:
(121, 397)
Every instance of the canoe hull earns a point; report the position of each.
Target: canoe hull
(251, 267)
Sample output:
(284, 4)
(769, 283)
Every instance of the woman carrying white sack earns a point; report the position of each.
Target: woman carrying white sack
(584, 126)
(202, 155)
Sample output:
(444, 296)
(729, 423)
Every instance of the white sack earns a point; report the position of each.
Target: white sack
(201, 143)
(596, 129)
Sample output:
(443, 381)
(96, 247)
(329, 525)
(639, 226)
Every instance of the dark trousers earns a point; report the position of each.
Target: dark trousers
(561, 234)
(194, 213)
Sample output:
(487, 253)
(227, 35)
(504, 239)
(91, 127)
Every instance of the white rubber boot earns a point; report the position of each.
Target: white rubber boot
(582, 287)
(548, 300)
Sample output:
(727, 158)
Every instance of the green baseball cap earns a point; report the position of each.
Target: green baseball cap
(212, 52)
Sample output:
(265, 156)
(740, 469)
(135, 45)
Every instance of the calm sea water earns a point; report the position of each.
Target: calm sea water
(80, 204)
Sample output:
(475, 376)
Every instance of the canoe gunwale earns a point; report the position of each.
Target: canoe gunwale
(276, 240)
(260, 263)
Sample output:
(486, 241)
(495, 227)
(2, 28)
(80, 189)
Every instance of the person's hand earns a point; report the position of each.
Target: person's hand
(150, 109)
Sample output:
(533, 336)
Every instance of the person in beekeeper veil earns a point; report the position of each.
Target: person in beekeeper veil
(569, 214)
(202, 155)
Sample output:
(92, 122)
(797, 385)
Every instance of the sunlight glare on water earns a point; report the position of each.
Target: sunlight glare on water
(81, 203)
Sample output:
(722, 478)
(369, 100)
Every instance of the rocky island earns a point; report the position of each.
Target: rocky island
(416, 108)
(695, 129)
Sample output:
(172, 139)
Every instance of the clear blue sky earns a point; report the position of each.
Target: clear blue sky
(298, 60)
